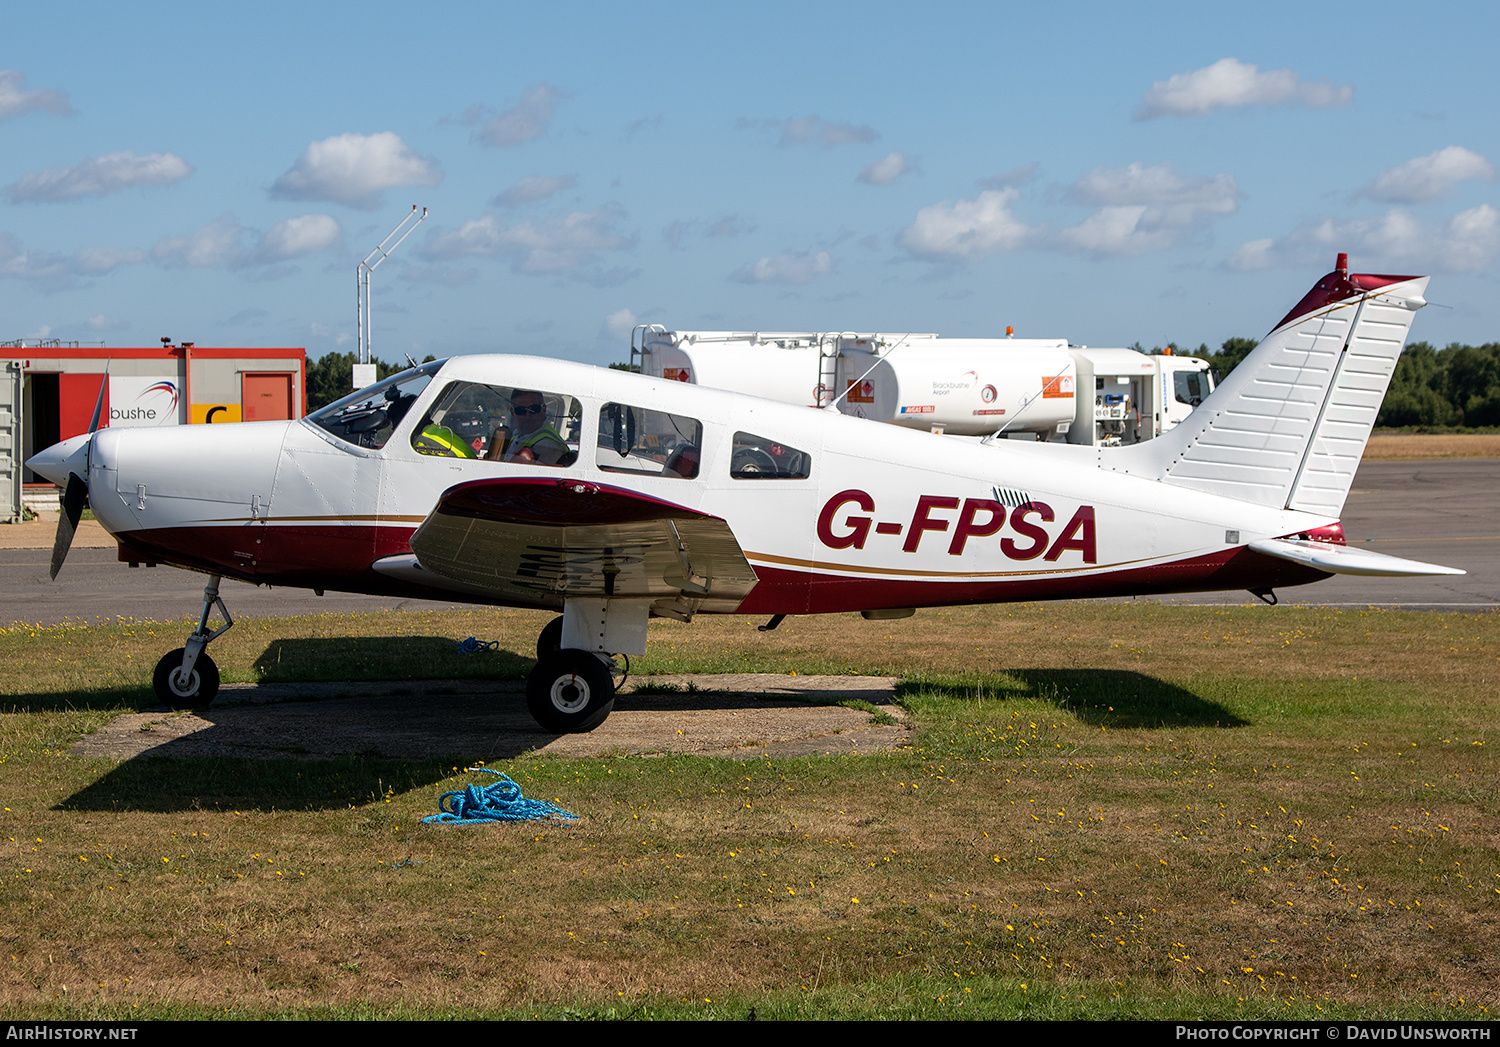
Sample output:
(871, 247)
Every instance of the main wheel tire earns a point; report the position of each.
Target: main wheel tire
(570, 692)
(550, 641)
(196, 692)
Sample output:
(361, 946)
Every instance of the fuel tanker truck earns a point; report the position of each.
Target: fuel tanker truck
(1019, 388)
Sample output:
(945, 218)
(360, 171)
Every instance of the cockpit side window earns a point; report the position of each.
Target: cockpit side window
(501, 424)
(761, 458)
(368, 417)
(654, 443)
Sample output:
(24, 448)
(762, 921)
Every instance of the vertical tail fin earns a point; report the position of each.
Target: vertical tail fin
(1288, 426)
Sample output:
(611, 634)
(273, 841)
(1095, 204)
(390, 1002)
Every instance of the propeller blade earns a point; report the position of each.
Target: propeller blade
(75, 497)
(99, 403)
(88, 458)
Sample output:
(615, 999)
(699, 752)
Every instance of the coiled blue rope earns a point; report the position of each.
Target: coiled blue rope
(473, 645)
(499, 801)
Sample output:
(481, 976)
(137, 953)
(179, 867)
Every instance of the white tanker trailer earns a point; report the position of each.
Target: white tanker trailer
(1031, 388)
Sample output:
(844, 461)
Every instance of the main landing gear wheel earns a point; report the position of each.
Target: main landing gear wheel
(195, 691)
(550, 641)
(570, 692)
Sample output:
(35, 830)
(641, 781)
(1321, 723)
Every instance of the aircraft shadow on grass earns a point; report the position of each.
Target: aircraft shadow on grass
(384, 658)
(154, 784)
(338, 752)
(329, 746)
(102, 698)
(1115, 698)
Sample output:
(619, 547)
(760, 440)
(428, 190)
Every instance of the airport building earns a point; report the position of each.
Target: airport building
(48, 390)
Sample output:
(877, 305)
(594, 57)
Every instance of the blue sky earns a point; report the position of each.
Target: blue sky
(1103, 173)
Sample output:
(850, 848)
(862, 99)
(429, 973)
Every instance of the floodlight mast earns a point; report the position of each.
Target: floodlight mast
(362, 278)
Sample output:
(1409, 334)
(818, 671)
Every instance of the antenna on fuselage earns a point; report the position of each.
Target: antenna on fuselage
(362, 293)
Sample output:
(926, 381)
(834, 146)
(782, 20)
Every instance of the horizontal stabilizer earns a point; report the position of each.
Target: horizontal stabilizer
(1341, 559)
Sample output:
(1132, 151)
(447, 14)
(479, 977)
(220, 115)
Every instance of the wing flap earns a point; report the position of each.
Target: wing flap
(1342, 559)
(519, 538)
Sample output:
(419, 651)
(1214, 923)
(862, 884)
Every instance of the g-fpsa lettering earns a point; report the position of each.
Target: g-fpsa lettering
(849, 517)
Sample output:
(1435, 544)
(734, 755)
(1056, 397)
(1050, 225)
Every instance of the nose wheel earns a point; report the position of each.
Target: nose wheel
(187, 678)
(570, 692)
(194, 689)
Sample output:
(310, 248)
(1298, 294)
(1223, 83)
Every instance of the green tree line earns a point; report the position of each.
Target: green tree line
(1458, 386)
(330, 377)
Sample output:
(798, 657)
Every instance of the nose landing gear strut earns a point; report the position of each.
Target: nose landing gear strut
(187, 678)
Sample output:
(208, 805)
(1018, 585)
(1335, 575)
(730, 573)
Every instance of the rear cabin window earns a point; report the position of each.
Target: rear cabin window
(501, 424)
(761, 458)
(654, 443)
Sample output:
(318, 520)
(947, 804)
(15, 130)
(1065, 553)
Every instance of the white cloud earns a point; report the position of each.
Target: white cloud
(966, 230)
(568, 243)
(1253, 255)
(42, 267)
(96, 261)
(1139, 209)
(886, 170)
(1144, 208)
(15, 99)
(51, 271)
(225, 244)
(1230, 83)
(1112, 231)
(814, 130)
(354, 170)
(800, 268)
(620, 323)
(105, 322)
(1139, 184)
(1466, 242)
(296, 237)
(526, 121)
(220, 243)
(533, 188)
(99, 176)
(1428, 177)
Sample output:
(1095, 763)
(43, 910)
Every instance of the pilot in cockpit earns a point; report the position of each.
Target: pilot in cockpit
(533, 439)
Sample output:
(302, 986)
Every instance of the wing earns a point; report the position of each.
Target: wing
(531, 540)
(1341, 559)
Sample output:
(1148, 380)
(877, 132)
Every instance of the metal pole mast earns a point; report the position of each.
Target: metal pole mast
(362, 278)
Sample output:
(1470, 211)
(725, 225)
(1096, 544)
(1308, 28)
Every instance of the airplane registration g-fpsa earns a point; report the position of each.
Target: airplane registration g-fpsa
(613, 498)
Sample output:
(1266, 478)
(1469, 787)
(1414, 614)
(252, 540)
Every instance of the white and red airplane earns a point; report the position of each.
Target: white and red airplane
(474, 479)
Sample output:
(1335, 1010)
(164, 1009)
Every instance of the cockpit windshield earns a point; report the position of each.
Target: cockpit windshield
(367, 418)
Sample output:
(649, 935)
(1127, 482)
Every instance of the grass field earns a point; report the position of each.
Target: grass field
(1106, 810)
(1412, 446)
